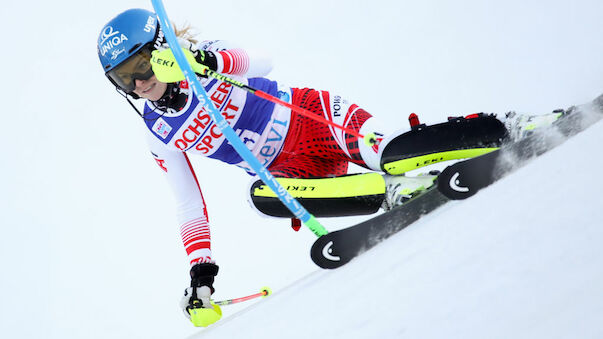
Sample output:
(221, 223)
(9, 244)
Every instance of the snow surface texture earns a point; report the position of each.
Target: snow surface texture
(493, 266)
(90, 247)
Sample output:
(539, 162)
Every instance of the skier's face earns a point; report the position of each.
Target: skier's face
(151, 88)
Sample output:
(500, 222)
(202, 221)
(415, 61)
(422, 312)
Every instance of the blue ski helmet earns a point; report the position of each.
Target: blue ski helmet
(125, 37)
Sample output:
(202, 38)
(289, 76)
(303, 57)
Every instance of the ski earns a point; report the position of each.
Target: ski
(463, 179)
(339, 247)
(458, 181)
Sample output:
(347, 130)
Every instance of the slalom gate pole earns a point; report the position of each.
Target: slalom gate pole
(263, 293)
(293, 205)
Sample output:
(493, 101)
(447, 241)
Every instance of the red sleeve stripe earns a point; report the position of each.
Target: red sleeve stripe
(200, 232)
(198, 236)
(195, 231)
(190, 166)
(201, 221)
(236, 61)
(227, 62)
(197, 246)
(199, 224)
(195, 235)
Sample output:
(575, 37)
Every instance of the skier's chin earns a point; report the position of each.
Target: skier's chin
(153, 90)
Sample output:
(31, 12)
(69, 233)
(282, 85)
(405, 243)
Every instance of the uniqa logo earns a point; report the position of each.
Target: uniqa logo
(110, 39)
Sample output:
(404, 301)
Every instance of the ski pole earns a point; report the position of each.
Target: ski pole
(263, 293)
(164, 60)
(369, 139)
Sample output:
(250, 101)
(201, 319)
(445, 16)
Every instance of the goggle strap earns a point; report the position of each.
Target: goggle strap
(125, 95)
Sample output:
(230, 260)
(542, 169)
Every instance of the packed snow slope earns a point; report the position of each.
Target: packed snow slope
(90, 246)
(521, 259)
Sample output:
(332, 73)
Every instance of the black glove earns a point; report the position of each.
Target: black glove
(199, 294)
(205, 58)
(203, 275)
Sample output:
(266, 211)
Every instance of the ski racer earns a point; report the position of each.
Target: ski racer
(309, 157)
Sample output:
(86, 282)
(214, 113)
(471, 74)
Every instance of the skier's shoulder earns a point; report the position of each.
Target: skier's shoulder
(217, 45)
(239, 59)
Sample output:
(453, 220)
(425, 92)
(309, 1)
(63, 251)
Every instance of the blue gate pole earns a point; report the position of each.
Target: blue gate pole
(293, 205)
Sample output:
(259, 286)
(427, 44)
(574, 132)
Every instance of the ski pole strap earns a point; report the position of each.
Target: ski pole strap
(293, 205)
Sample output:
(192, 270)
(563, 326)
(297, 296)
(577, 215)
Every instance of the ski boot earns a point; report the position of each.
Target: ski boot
(520, 126)
(400, 188)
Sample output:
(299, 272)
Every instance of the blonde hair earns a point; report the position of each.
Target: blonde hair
(186, 32)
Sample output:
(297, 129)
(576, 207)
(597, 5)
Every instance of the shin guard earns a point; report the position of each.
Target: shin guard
(348, 195)
(457, 138)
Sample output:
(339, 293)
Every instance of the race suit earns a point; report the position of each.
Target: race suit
(287, 143)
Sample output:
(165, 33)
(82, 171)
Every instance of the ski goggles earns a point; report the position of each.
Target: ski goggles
(138, 66)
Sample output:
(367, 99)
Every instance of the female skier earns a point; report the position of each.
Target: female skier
(308, 155)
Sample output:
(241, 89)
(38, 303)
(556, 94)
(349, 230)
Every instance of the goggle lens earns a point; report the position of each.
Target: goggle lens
(138, 66)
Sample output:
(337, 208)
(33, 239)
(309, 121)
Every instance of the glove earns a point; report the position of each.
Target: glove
(206, 58)
(196, 303)
(166, 68)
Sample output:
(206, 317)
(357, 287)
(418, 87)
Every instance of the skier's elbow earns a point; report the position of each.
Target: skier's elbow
(260, 64)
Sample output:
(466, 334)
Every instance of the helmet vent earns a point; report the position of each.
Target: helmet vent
(134, 48)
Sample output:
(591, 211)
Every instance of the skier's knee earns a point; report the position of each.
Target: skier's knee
(455, 139)
(357, 194)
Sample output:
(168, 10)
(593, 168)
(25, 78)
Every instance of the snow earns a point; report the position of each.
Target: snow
(493, 266)
(90, 246)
